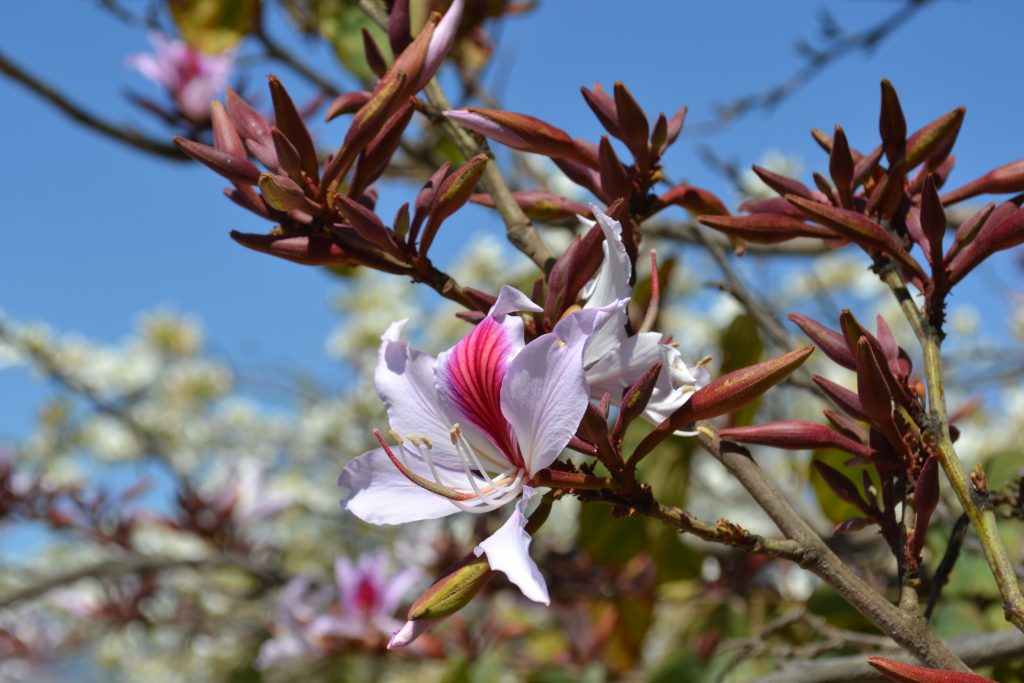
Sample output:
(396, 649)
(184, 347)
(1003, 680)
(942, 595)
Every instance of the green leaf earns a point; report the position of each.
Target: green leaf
(608, 540)
(741, 347)
(836, 509)
(341, 23)
(213, 26)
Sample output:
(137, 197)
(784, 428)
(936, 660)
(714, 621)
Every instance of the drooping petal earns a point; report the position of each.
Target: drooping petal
(380, 494)
(511, 300)
(621, 366)
(410, 631)
(545, 391)
(676, 384)
(406, 383)
(609, 285)
(469, 380)
(508, 551)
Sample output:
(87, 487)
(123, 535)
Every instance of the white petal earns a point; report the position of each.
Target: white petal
(383, 495)
(508, 551)
(623, 365)
(612, 281)
(406, 383)
(511, 300)
(410, 632)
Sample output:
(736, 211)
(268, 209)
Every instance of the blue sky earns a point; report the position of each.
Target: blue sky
(96, 233)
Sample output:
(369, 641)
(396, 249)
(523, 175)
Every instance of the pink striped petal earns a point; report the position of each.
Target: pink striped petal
(469, 380)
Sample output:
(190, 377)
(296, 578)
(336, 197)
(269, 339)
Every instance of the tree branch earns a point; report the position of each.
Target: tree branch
(976, 649)
(121, 133)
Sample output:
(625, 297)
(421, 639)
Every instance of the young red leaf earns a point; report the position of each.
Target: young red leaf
(910, 673)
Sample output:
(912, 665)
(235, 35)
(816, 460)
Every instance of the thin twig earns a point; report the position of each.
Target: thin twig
(817, 62)
(135, 564)
(119, 132)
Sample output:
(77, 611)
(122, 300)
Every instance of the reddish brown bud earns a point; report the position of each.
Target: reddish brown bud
(724, 395)
(933, 223)
(236, 169)
(573, 269)
(695, 199)
(253, 129)
(634, 124)
(933, 142)
(365, 222)
(675, 125)
(858, 228)
(284, 194)
(614, 179)
(843, 487)
(829, 341)
(910, 673)
(377, 155)
(346, 103)
(604, 109)
(845, 399)
(287, 156)
(783, 185)
(453, 193)
(796, 435)
(290, 122)
(225, 137)
(840, 167)
(634, 401)
(374, 57)
(765, 228)
(926, 499)
(311, 250)
(520, 131)
(1003, 180)
(891, 123)
(540, 206)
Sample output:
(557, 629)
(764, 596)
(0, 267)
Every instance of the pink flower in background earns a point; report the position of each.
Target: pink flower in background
(474, 427)
(192, 78)
(310, 620)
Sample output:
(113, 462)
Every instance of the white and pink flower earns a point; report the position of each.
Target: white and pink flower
(475, 426)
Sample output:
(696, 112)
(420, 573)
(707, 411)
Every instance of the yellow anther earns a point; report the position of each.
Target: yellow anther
(415, 441)
(426, 441)
(395, 435)
(704, 361)
(455, 432)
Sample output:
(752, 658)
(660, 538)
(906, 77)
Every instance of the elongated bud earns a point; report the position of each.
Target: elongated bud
(284, 194)
(375, 158)
(346, 103)
(603, 107)
(452, 195)
(933, 222)
(374, 58)
(309, 250)
(519, 131)
(235, 168)
(857, 228)
(695, 199)
(783, 185)
(874, 393)
(842, 486)
(633, 122)
(726, 394)
(253, 129)
(832, 343)
(840, 167)
(910, 673)
(926, 499)
(1003, 180)
(675, 125)
(634, 401)
(573, 269)
(539, 206)
(765, 228)
(225, 137)
(399, 26)
(796, 435)
(845, 399)
(933, 142)
(287, 156)
(441, 42)
(614, 179)
(289, 121)
(365, 222)
(891, 123)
